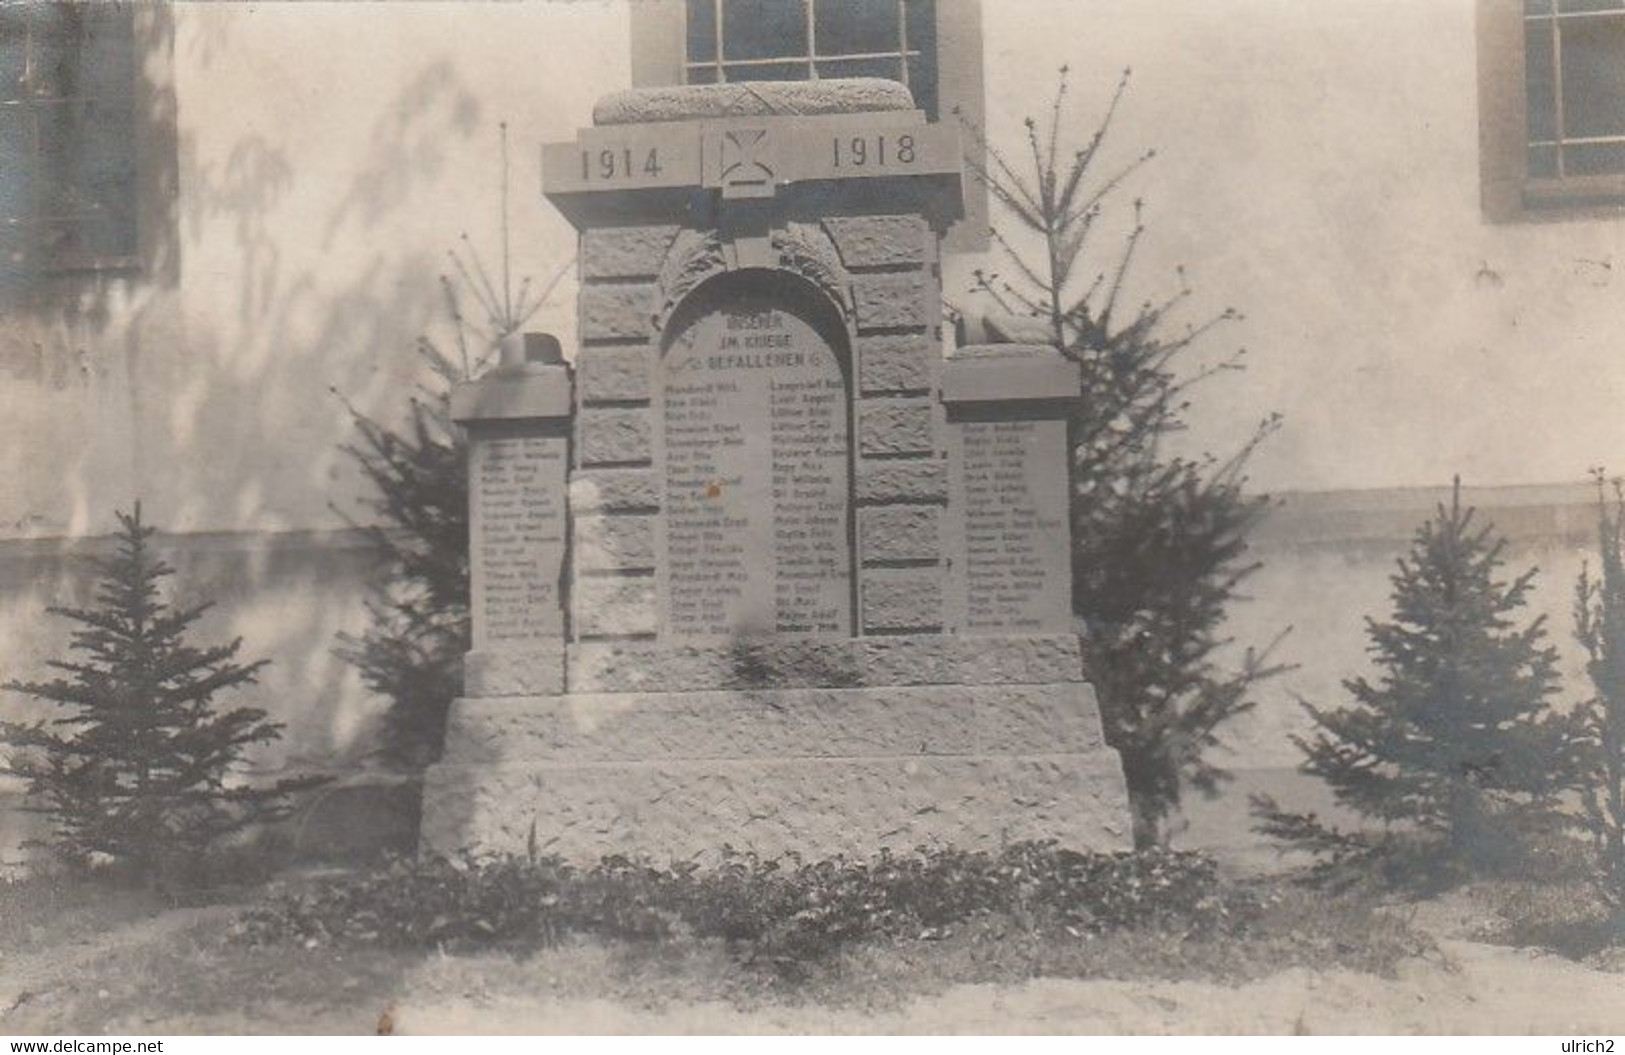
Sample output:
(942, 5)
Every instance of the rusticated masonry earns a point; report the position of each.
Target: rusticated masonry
(761, 566)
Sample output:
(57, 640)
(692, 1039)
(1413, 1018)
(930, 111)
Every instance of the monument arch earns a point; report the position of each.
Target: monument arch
(752, 443)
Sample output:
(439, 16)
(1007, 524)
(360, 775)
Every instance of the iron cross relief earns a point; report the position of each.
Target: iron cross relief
(746, 170)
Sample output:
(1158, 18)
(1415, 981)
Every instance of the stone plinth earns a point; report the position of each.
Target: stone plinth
(799, 766)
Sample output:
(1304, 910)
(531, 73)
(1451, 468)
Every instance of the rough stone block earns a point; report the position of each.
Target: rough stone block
(896, 426)
(767, 98)
(529, 671)
(900, 533)
(614, 491)
(911, 480)
(617, 312)
(1044, 719)
(897, 363)
(625, 252)
(902, 599)
(614, 606)
(905, 300)
(609, 436)
(608, 375)
(880, 241)
(896, 659)
(816, 807)
(614, 542)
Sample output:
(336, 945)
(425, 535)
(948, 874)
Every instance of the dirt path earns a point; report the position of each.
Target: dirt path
(69, 970)
(167, 974)
(1480, 989)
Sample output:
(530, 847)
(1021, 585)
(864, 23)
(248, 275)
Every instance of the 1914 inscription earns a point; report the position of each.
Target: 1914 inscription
(518, 539)
(1016, 573)
(753, 428)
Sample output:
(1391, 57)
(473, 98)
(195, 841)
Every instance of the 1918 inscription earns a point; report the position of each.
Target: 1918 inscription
(753, 428)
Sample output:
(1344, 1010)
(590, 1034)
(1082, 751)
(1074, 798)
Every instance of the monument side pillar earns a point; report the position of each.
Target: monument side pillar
(518, 421)
(1010, 555)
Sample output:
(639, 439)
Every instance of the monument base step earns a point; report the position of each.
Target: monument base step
(817, 772)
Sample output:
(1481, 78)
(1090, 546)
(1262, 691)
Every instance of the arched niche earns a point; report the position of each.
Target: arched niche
(753, 441)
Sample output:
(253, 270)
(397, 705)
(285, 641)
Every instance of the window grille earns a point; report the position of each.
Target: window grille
(67, 157)
(1574, 62)
(775, 40)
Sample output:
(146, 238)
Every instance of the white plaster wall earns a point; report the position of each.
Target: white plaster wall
(1317, 168)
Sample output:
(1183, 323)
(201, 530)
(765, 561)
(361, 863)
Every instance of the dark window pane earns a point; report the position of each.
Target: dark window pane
(763, 29)
(57, 35)
(920, 16)
(856, 27)
(1593, 77)
(1600, 159)
(1537, 7)
(891, 69)
(767, 71)
(922, 82)
(13, 51)
(107, 57)
(702, 31)
(16, 145)
(91, 168)
(13, 244)
(922, 67)
(1589, 5)
(1538, 68)
(702, 75)
(1543, 162)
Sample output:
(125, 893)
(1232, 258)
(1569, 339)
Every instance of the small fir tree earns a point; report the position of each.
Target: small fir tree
(1599, 609)
(411, 652)
(1159, 541)
(1453, 745)
(137, 768)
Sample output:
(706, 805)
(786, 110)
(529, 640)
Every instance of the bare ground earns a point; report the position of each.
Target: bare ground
(171, 972)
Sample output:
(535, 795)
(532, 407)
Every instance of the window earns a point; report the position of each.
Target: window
(67, 150)
(933, 46)
(1574, 59)
(777, 40)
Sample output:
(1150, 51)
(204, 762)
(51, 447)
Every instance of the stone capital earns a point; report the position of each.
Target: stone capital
(997, 373)
(518, 393)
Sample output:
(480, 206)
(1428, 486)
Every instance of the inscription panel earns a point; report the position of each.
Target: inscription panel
(1014, 560)
(517, 525)
(753, 430)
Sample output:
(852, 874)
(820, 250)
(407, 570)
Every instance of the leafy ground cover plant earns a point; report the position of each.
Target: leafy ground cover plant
(789, 916)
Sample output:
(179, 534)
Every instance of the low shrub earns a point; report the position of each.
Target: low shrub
(781, 912)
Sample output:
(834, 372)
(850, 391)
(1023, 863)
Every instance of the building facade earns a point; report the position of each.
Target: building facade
(224, 222)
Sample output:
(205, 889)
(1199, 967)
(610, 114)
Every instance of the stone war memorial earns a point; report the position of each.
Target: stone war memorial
(764, 567)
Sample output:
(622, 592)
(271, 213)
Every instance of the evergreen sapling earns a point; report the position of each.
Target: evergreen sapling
(1599, 609)
(1159, 540)
(1453, 748)
(136, 768)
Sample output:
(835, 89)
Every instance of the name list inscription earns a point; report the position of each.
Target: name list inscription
(1017, 570)
(754, 430)
(518, 545)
